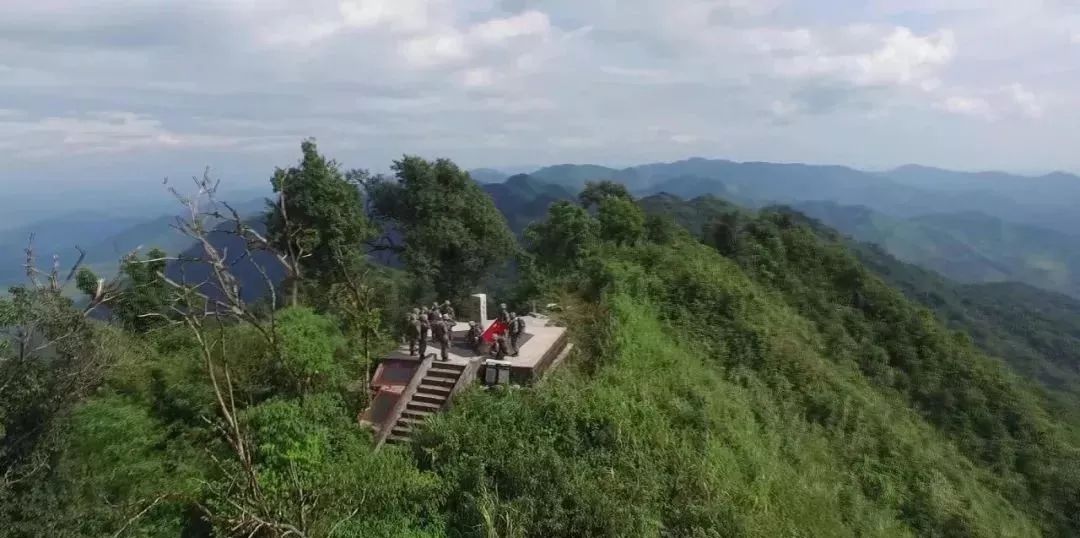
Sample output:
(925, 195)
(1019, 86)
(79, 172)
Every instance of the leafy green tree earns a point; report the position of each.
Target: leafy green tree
(659, 229)
(723, 233)
(621, 221)
(318, 219)
(565, 239)
(596, 192)
(310, 347)
(140, 296)
(451, 233)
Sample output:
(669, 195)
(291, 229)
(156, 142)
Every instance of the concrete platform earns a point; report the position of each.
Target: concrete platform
(537, 348)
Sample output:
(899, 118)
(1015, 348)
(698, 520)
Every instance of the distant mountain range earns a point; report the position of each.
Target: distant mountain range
(1048, 201)
(106, 238)
(974, 227)
(524, 199)
(968, 247)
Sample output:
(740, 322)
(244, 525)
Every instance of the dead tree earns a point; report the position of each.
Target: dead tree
(209, 304)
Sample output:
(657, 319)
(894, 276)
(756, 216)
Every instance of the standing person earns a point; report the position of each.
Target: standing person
(504, 315)
(448, 310)
(425, 328)
(432, 317)
(440, 331)
(474, 336)
(412, 330)
(516, 329)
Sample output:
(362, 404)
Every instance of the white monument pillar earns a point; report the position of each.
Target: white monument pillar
(482, 297)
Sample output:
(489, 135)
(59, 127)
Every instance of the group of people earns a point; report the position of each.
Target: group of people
(437, 323)
(515, 328)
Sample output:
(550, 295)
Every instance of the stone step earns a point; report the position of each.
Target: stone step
(401, 429)
(443, 374)
(434, 389)
(437, 399)
(414, 404)
(448, 366)
(411, 421)
(438, 381)
(418, 414)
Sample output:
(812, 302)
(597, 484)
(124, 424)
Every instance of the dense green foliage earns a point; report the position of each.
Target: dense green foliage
(318, 218)
(751, 378)
(1035, 331)
(451, 233)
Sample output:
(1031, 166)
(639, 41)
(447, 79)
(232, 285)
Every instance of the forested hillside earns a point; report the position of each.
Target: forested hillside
(1036, 332)
(968, 247)
(749, 377)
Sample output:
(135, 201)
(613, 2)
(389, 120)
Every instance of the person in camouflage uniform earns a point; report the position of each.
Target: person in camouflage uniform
(440, 331)
(412, 330)
(504, 315)
(474, 336)
(515, 329)
(425, 328)
(448, 310)
(499, 348)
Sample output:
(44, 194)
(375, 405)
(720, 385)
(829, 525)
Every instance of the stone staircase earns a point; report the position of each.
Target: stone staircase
(430, 397)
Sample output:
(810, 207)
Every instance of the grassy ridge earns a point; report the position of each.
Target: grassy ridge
(713, 412)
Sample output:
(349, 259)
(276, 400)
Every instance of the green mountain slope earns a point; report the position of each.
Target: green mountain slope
(969, 247)
(1035, 331)
(782, 391)
(523, 199)
(694, 215)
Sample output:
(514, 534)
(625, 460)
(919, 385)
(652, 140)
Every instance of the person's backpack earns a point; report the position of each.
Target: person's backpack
(520, 324)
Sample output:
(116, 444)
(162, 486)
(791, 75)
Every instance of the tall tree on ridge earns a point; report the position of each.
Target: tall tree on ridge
(453, 234)
(318, 218)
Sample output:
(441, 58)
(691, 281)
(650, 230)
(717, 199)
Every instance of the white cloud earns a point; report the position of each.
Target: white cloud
(529, 23)
(862, 55)
(396, 15)
(906, 58)
(479, 77)
(976, 107)
(101, 132)
(1029, 103)
(434, 50)
(539, 79)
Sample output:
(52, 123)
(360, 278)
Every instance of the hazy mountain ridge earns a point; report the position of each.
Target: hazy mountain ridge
(968, 246)
(909, 191)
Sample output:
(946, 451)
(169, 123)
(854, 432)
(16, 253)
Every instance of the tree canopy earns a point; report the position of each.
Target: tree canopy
(318, 217)
(449, 232)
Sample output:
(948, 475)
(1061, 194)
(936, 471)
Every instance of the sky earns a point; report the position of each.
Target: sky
(110, 94)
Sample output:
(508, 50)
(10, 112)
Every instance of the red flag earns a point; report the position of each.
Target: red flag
(497, 327)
